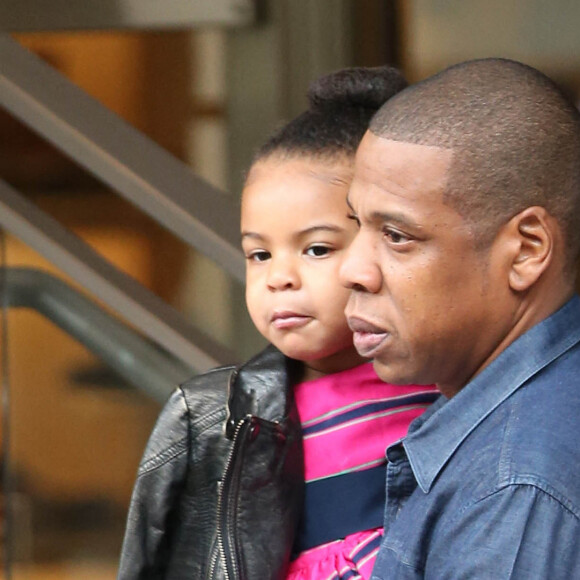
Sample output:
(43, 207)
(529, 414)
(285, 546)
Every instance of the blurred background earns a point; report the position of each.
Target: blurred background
(206, 82)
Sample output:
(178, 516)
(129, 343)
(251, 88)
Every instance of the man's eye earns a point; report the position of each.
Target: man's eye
(396, 237)
(258, 256)
(318, 251)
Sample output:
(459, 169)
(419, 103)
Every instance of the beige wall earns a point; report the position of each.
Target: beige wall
(438, 33)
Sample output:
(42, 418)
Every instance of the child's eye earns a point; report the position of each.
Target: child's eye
(258, 256)
(317, 251)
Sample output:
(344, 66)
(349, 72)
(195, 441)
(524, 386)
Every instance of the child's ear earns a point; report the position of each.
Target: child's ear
(532, 242)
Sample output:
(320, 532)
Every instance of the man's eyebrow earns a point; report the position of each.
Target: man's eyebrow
(380, 216)
(393, 217)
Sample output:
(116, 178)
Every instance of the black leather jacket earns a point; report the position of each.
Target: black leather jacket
(220, 487)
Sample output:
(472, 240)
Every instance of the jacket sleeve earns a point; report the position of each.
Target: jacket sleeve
(160, 482)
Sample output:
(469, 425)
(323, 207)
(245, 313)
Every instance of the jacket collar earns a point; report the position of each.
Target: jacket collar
(263, 387)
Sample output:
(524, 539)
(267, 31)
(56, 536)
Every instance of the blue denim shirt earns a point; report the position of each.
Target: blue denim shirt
(487, 484)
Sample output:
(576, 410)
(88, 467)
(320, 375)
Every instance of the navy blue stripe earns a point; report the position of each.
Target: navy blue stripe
(367, 549)
(341, 505)
(349, 574)
(374, 407)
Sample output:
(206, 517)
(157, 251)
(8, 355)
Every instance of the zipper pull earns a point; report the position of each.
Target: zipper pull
(254, 429)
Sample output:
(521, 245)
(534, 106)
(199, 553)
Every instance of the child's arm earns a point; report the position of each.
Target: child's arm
(156, 496)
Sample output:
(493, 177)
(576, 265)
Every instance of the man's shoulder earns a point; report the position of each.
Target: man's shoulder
(547, 406)
(536, 431)
(528, 439)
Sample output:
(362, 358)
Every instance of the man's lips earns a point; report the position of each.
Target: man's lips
(367, 337)
(287, 319)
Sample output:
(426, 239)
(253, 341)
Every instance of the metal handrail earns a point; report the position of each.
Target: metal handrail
(134, 358)
(136, 168)
(129, 162)
(135, 303)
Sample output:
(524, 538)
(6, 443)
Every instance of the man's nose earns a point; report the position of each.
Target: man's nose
(359, 270)
(283, 274)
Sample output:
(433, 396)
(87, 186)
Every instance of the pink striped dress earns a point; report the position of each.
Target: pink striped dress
(348, 420)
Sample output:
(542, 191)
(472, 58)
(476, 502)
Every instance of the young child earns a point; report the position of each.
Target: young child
(275, 469)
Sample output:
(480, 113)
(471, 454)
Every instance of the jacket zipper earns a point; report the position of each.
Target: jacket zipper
(223, 524)
(214, 559)
(228, 556)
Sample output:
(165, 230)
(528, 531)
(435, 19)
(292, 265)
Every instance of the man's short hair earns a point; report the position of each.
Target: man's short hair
(515, 138)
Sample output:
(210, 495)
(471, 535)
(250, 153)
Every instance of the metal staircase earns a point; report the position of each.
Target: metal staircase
(137, 169)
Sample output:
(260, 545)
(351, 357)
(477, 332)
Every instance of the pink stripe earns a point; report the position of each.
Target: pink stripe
(325, 395)
(362, 441)
(356, 444)
(366, 568)
(404, 398)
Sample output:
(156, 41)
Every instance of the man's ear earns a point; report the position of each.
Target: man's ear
(532, 235)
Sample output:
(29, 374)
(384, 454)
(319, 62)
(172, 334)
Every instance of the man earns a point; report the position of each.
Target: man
(467, 193)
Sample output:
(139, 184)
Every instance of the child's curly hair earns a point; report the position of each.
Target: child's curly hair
(341, 105)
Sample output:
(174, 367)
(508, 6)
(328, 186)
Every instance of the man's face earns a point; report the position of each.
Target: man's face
(426, 305)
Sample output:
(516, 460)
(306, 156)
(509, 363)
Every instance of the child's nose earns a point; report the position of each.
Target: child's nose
(283, 275)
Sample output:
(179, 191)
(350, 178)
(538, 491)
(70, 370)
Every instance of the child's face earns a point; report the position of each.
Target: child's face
(295, 230)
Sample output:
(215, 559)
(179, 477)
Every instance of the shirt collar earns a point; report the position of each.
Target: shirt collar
(435, 435)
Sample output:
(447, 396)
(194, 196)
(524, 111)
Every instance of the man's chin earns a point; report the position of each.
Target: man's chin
(388, 373)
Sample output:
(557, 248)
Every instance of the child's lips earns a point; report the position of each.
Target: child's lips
(287, 319)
